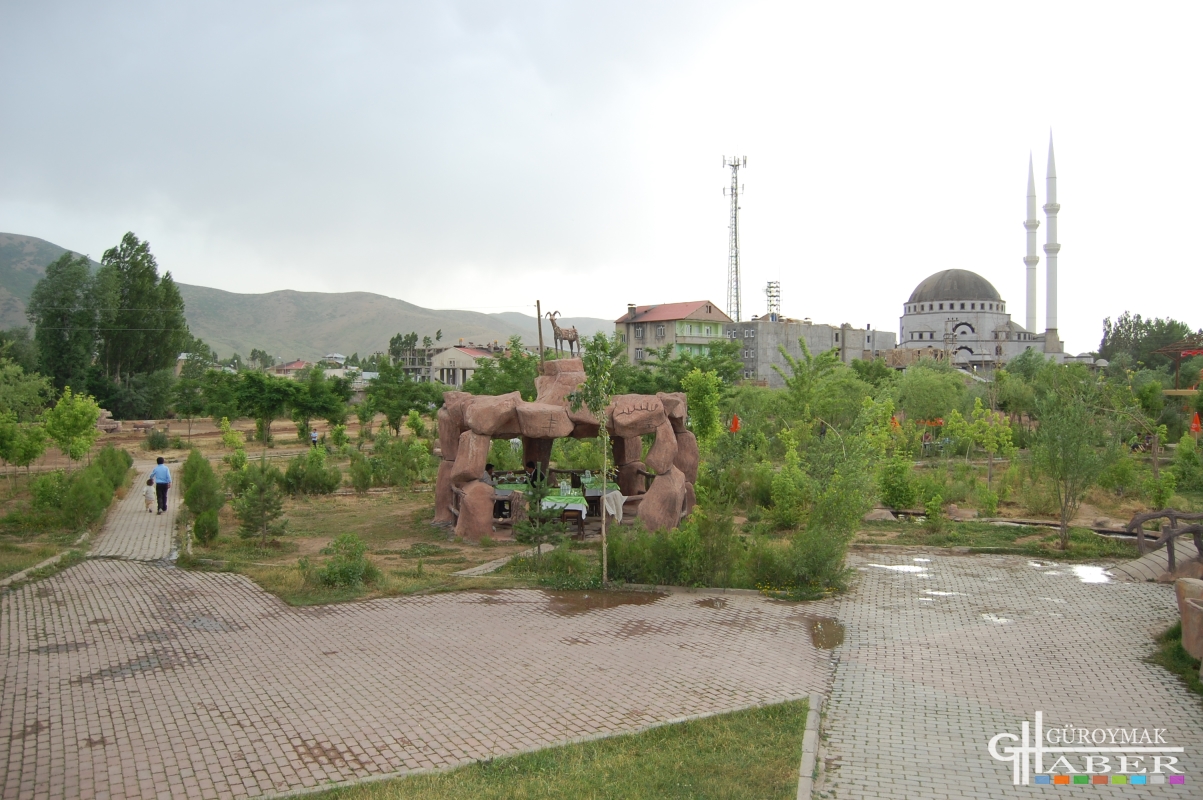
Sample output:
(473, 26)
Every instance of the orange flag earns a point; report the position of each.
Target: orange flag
(735, 422)
(1194, 424)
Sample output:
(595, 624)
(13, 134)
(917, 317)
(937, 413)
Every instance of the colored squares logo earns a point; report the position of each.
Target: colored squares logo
(1111, 780)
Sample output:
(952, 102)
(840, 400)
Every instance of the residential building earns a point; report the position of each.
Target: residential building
(290, 369)
(761, 339)
(685, 327)
(453, 366)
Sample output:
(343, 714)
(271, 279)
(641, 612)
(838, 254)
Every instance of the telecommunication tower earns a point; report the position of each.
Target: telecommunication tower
(735, 163)
(773, 292)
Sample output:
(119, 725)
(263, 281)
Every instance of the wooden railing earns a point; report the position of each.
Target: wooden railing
(1169, 533)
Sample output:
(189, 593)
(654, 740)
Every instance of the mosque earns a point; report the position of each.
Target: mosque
(958, 314)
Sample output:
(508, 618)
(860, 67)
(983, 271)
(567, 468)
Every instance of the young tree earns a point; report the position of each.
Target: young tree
(259, 501)
(203, 496)
(189, 389)
(514, 370)
(314, 397)
(395, 394)
(71, 424)
(702, 391)
(1065, 452)
(219, 394)
(594, 394)
(25, 394)
(264, 398)
(991, 432)
(27, 446)
(62, 310)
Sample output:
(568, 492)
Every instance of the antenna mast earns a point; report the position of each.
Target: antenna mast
(774, 296)
(735, 163)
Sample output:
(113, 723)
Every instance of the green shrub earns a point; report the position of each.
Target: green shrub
(86, 498)
(933, 510)
(206, 527)
(176, 443)
(361, 473)
(413, 421)
(987, 502)
(308, 474)
(156, 440)
(115, 465)
(401, 462)
(1120, 475)
(202, 489)
(896, 483)
(504, 456)
(1188, 468)
(1158, 491)
(791, 495)
(48, 490)
(258, 502)
(703, 551)
(348, 564)
(338, 435)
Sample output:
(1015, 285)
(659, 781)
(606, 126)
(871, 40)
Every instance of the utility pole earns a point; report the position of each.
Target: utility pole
(735, 163)
(539, 317)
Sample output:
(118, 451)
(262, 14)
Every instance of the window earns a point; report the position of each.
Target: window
(638, 353)
(747, 374)
(941, 306)
(451, 363)
(962, 306)
(638, 331)
(708, 310)
(973, 306)
(837, 336)
(659, 331)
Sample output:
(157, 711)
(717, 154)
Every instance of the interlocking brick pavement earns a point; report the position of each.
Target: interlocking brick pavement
(132, 533)
(937, 662)
(124, 679)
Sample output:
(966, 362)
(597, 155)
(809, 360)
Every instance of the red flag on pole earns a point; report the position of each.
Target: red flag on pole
(1194, 424)
(735, 422)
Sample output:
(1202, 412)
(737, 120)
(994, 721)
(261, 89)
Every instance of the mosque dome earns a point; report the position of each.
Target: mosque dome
(954, 284)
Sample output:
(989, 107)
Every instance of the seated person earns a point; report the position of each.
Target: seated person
(534, 473)
(488, 476)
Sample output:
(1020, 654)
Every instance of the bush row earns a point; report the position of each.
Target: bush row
(76, 499)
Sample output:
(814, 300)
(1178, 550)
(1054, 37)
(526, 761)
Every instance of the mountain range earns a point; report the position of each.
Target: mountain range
(287, 323)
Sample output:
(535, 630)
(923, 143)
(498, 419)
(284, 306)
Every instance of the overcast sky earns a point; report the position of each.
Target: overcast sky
(484, 154)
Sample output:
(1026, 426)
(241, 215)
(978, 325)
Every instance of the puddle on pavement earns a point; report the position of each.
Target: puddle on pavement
(900, 567)
(711, 602)
(1088, 574)
(569, 604)
(826, 633)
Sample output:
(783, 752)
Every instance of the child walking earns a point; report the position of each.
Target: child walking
(148, 494)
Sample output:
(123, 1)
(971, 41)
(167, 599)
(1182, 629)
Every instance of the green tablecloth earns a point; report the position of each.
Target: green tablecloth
(512, 487)
(573, 502)
(595, 486)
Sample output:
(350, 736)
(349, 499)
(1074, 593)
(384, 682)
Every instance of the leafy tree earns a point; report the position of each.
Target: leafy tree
(315, 396)
(1027, 364)
(805, 376)
(594, 394)
(261, 359)
(702, 390)
(927, 392)
(395, 394)
(203, 495)
(142, 395)
(365, 412)
(62, 310)
(189, 389)
(1065, 452)
(141, 315)
(991, 432)
(24, 394)
(514, 370)
(27, 446)
(18, 347)
(71, 424)
(1138, 338)
(259, 501)
(219, 393)
(264, 398)
(876, 372)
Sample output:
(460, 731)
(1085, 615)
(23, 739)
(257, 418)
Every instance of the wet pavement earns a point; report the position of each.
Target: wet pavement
(124, 679)
(942, 653)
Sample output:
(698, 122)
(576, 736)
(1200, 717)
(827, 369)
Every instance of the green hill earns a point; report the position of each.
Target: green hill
(287, 324)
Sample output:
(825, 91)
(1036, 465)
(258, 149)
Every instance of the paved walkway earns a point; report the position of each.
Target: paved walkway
(133, 534)
(123, 679)
(944, 652)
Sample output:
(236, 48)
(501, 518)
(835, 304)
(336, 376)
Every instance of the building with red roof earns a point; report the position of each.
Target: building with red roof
(685, 327)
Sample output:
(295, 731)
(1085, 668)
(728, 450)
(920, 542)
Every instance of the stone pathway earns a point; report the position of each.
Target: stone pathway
(131, 533)
(123, 679)
(944, 652)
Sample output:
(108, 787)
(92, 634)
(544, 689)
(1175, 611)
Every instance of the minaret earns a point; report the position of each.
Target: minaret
(1031, 259)
(1052, 343)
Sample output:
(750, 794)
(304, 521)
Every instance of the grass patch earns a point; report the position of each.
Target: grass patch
(71, 558)
(983, 537)
(16, 557)
(1173, 657)
(746, 754)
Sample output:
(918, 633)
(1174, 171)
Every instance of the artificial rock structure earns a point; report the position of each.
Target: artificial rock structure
(468, 424)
